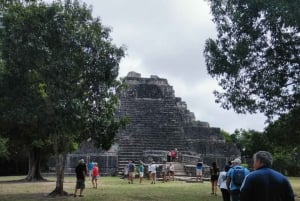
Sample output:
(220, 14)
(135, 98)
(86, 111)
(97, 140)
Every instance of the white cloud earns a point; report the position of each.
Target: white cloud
(166, 38)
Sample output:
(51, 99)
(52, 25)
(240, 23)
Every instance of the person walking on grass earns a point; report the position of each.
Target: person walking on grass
(131, 172)
(95, 175)
(222, 184)
(81, 172)
(152, 171)
(214, 175)
(90, 167)
(141, 169)
(235, 178)
(264, 183)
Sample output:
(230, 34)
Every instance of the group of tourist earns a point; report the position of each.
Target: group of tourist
(168, 171)
(237, 183)
(81, 173)
(172, 155)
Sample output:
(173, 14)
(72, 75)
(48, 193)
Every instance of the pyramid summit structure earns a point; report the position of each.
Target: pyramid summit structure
(159, 122)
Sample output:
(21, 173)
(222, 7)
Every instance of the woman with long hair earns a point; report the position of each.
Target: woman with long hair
(214, 175)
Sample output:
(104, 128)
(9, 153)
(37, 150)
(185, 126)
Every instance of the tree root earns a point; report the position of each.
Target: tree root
(57, 192)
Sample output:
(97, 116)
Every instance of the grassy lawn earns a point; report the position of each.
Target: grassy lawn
(114, 189)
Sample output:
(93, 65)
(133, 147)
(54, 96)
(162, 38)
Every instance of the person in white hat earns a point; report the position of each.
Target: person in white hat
(235, 178)
(81, 171)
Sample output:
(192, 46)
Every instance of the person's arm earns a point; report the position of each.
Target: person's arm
(290, 196)
(219, 180)
(246, 191)
(228, 180)
(84, 171)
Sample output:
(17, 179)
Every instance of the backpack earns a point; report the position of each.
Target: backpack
(238, 175)
(131, 167)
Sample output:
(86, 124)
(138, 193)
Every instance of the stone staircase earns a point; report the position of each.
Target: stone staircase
(161, 122)
(179, 170)
(157, 126)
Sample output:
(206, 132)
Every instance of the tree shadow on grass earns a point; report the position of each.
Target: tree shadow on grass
(25, 181)
(32, 196)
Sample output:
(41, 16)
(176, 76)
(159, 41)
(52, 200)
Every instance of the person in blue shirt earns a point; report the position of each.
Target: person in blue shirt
(233, 182)
(199, 167)
(264, 183)
(91, 167)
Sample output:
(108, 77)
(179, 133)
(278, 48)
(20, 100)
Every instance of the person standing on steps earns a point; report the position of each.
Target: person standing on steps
(169, 156)
(199, 167)
(172, 171)
(173, 155)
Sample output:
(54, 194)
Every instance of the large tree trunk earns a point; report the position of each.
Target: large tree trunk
(60, 160)
(60, 166)
(34, 172)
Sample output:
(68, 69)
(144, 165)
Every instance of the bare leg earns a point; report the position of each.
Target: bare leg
(75, 192)
(80, 193)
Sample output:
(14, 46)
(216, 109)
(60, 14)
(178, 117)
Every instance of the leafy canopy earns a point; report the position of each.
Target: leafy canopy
(58, 81)
(256, 56)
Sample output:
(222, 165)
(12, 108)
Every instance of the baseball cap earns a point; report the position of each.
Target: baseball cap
(237, 160)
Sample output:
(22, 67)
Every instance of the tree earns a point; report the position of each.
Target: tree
(256, 56)
(284, 134)
(60, 77)
(226, 136)
(3, 147)
(250, 141)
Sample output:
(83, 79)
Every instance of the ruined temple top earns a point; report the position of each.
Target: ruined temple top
(153, 87)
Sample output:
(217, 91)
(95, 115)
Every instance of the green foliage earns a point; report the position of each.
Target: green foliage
(285, 131)
(250, 141)
(60, 74)
(226, 136)
(255, 57)
(284, 135)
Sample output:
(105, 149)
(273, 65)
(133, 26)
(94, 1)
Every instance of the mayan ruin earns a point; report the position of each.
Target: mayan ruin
(159, 122)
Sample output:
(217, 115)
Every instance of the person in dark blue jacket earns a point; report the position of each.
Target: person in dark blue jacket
(264, 183)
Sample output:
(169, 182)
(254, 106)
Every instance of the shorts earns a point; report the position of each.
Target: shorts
(131, 174)
(95, 177)
(141, 174)
(80, 184)
(199, 172)
(214, 178)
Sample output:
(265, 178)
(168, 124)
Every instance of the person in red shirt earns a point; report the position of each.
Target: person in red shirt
(95, 175)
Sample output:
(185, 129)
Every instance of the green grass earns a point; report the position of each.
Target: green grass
(114, 189)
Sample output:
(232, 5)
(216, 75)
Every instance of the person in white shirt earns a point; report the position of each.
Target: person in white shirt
(172, 171)
(152, 171)
(222, 184)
